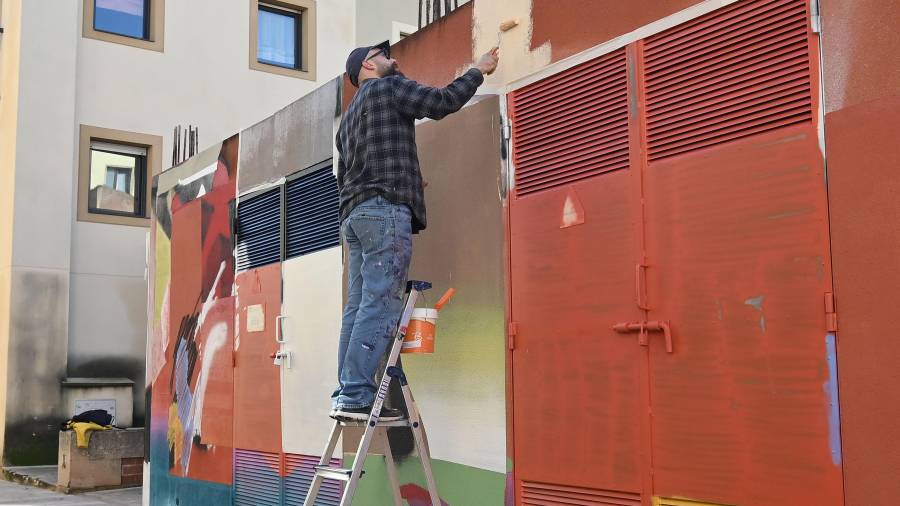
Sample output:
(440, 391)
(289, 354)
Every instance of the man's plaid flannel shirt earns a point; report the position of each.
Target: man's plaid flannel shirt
(377, 139)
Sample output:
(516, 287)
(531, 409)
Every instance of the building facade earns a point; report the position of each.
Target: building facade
(91, 93)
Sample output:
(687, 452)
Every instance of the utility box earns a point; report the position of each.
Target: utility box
(114, 458)
(114, 395)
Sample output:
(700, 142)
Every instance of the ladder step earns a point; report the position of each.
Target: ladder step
(336, 473)
(362, 423)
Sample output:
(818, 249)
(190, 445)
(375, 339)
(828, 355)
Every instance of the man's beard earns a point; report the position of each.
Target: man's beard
(391, 71)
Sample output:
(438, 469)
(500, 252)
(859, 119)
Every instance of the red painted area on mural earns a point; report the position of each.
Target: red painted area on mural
(192, 394)
(417, 496)
(257, 382)
(863, 186)
(571, 26)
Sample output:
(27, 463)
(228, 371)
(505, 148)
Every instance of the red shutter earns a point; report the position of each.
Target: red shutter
(572, 125)
(738, 71)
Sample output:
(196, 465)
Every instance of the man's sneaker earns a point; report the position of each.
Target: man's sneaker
(362, 414)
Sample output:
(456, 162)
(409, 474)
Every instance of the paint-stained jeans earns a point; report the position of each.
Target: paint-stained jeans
(379, 237)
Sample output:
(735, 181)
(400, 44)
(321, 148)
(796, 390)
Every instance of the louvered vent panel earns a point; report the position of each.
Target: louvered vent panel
(313, 213)
(301, 471)
(737, 71)
(256, 479)
(258, 230)
(545, 494)
(572, 125)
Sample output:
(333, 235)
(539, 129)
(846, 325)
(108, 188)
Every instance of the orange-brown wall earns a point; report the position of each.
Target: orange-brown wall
(434, 54)
(572, 26)
(861, 66)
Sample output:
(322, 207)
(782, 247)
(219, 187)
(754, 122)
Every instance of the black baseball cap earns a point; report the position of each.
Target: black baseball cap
(358, 55)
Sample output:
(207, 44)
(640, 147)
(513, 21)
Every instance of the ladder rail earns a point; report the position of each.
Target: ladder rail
(372, 424)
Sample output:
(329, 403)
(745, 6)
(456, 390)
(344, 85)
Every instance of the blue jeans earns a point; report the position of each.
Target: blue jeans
(379, 236)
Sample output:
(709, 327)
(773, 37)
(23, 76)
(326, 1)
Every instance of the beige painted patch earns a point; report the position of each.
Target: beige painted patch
(311, 329)
(517, 60)
(573, 211)
(256, 318)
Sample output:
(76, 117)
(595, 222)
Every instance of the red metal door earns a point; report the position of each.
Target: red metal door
(744, 408)
(576, 384)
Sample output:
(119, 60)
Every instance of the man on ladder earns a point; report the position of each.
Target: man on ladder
(382, 204)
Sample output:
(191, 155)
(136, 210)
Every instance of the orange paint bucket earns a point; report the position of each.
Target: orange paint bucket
(420, 333)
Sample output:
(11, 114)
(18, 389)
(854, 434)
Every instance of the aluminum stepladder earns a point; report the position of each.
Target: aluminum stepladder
(373, 425)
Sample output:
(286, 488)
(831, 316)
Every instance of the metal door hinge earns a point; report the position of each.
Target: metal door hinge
(512, 330)
(507, 130)
(831, 323)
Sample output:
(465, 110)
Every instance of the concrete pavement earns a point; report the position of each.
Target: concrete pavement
(14, 494)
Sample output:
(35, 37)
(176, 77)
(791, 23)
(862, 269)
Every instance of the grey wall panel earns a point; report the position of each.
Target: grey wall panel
(37, 364)
(294, 138)
(463, 383)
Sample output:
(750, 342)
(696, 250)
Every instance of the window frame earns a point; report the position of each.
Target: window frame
(151, 167)
(154, 26)
(305, 39)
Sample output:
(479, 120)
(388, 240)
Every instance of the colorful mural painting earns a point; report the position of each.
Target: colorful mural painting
(638, 233)
(190, 373)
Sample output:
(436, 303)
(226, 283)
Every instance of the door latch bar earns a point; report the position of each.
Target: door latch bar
(644, 329)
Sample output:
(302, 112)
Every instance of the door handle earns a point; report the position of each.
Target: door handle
(644, 329)
(279, 329)
(281, 357)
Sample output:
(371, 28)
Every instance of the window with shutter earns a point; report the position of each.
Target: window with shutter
(259, 230)
(313, 213)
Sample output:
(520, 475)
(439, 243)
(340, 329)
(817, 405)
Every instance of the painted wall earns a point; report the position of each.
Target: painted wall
(861, 65)
(196, 80)
(10, 13)
(440, 51)
(80, 298)
(570, 26)
(191, 342)
(40, 262)
(860, 89)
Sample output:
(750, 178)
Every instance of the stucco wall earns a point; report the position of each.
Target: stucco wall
(9, 87)
(79, 297)
(39, 278)
(373, 19)
(203, 78)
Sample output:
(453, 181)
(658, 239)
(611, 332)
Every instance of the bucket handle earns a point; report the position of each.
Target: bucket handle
(445, 298)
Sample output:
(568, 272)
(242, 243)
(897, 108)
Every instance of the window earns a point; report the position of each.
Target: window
(117, 171)
(114, 176)
(137, 23)
(278, 41)
(282, 37)
(130, 18)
